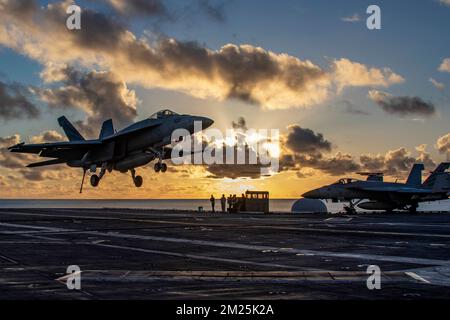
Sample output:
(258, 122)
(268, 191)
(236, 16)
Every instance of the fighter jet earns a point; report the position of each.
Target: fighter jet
(388, 195)
(124, 150)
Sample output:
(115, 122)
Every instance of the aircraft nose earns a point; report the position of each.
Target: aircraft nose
(206, 122)
(312, 194)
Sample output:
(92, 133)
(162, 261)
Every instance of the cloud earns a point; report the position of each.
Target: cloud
(443, 144)
(48, 136)
(353, 18)
(438, 85)
(102, 95)
(338, 164)
(424, 157)
(11, 160)
(245, 72)
(16, 162)
(445, 65)
(138, 7)
(304, 148)
(445, 2)
(239, 124)
(403, 105)
(394, 162)
(353, 74)
(303, 140)
(15, 102)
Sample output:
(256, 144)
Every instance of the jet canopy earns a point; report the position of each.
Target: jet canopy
(345, 181)
(162, 114)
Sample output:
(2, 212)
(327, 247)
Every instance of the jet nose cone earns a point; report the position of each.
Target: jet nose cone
(313, 194)
(206, 122)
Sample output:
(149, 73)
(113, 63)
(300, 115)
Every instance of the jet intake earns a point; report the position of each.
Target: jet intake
(133, 161)
(375, 205)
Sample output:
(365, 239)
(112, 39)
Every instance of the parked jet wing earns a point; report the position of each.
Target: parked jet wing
(393, 189)
(65, 145)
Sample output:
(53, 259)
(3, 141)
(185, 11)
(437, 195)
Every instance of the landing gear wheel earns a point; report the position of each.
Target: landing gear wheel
(157, 167)
(413, 208)
(349, 210)
(138, 181)
(163, 167)
(94, 180)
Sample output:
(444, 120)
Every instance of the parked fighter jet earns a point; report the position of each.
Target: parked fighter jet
(388, 195)
(124, 150)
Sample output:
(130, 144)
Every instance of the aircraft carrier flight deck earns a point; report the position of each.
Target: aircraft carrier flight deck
(159, 254)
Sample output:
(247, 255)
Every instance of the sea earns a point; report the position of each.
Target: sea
(275, 205)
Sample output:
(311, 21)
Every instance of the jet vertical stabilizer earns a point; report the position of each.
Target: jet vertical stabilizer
(415, 176)
(107, 129)
(70, 131)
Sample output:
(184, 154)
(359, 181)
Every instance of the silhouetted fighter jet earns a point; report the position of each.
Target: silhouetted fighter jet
(125, 150)
(388, 195)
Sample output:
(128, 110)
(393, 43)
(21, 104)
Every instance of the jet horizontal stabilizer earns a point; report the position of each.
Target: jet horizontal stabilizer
(46, 163)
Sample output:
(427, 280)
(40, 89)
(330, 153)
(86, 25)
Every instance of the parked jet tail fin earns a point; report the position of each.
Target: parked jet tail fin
(415, 176)
(70, 131)
(429, 182)
(107, 129)
(442, 183)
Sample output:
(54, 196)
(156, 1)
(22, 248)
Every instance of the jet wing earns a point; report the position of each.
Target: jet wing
(56, 146)
(134, 128)
(393, 189)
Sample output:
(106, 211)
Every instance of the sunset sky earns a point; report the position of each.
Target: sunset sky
(345, 98)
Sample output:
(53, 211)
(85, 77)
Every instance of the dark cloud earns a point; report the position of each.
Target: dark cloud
(20, 8)
(243, 72)
(100, 94)
(336, 165)
(15, 102)
(303, 140)
(403, 105)
(394, 162)
(236, 170)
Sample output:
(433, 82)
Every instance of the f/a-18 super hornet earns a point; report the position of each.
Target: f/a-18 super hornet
(124, 150)
(380, 195)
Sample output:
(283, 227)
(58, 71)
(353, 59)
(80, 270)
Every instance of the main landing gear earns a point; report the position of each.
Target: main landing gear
(95, 179)
(350, 209)
(160, 166)
(136, 179)
(413, 208)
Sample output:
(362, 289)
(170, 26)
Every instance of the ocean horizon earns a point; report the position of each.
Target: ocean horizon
(275, 205)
